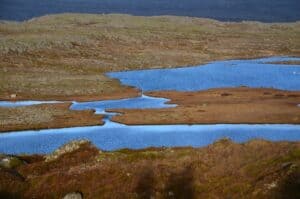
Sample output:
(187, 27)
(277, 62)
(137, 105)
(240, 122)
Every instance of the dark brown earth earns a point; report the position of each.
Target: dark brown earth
(224, 106)
(256, 169)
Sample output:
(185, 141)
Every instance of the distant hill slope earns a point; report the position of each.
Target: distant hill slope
(225, 10)
(65, 57)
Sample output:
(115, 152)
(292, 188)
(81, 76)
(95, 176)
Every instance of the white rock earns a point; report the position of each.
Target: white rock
(171, 193)
(74, 195)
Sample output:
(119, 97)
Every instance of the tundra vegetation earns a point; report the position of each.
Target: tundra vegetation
(45, 116)
(240, 105)
(66, 56)
(256, 169)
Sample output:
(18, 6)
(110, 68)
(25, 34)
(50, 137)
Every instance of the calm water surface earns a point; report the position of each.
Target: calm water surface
(226, 10)
(111, 136)
(115, 136)
(252, 73)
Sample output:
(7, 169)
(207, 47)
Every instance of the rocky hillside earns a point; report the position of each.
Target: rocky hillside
(256, 169)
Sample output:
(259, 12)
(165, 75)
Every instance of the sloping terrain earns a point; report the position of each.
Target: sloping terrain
(256, 169)
(64, 57)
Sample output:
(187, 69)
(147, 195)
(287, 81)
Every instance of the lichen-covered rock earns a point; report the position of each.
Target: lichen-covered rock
(73, 195)
(10, 162)
(67, 148)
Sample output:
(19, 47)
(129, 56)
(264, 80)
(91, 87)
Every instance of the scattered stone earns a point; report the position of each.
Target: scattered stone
(67, 148)
(286, 165)
(171, 193)
(13, 96)
(271, 185)
(223, 141)
(10, 162)
(74, 195)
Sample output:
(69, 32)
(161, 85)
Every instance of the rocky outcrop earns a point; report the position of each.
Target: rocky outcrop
(225, 169)
(10, 162)
(74, 195)
(67, 148)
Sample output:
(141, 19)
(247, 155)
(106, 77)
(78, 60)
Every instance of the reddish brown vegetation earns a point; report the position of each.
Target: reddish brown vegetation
(228, 105)
(257, 169)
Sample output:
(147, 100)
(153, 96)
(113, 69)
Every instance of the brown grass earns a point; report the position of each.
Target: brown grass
(256, 169)
(45, 116)
(65, 56)
(215, 106)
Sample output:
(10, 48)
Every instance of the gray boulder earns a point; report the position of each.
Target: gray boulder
(73, 195)
(10, 162)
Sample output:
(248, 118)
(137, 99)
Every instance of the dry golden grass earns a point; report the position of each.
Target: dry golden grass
(45, 116)
(65, 56)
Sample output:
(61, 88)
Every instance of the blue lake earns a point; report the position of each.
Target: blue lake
(252, 73)
(111, 136)
(115, 136)
(132, 103)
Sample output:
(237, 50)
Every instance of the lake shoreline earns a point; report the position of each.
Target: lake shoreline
(67, 56)
(222, 105)
(199, 107)
(46, 116)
